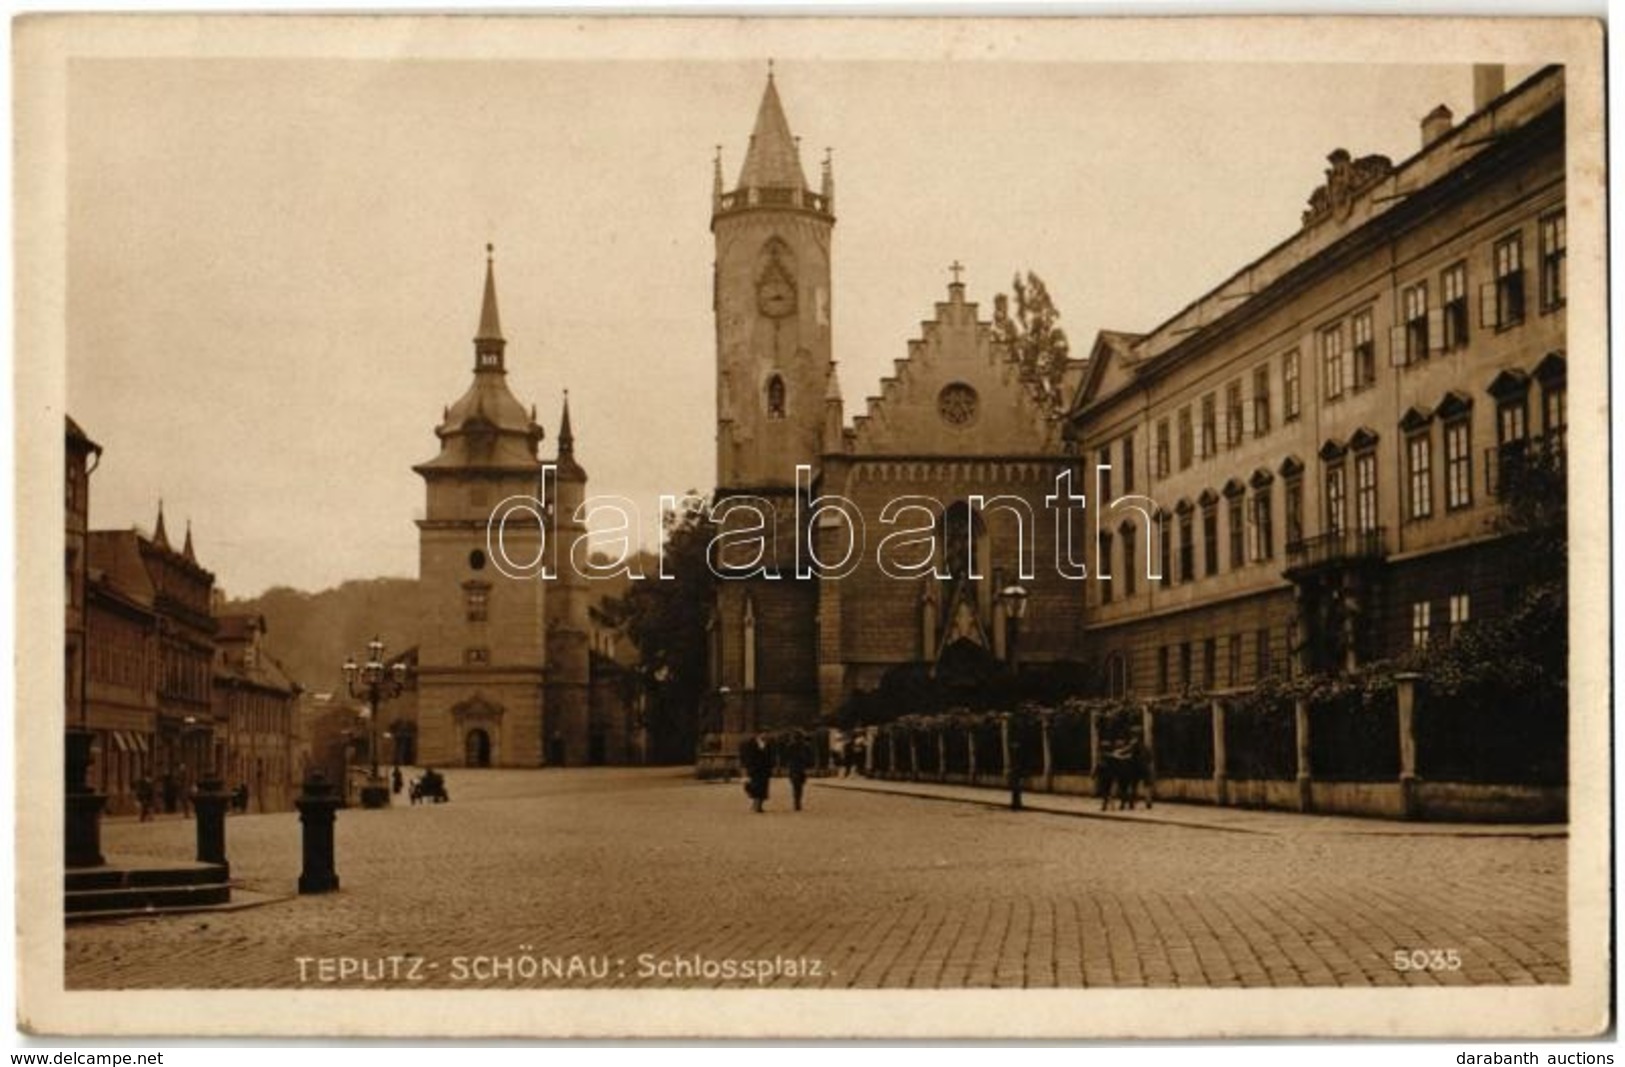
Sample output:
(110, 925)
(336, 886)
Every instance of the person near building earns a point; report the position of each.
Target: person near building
(756, 757)
(798, 758)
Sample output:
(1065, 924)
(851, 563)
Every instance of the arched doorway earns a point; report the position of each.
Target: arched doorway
(477, 749)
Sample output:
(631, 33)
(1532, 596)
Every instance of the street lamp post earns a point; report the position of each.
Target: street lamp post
(375, 683)
(1014, 598)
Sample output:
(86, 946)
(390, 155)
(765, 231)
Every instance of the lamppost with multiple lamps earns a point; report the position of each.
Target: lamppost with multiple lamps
(375, 683)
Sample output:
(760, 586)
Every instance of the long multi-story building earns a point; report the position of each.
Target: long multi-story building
(1322, 439)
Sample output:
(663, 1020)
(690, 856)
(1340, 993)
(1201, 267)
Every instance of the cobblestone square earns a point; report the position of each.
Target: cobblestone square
(649, 878)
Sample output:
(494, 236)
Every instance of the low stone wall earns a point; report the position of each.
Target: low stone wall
(1449, 801)
(1263, 793)
(1384, 799)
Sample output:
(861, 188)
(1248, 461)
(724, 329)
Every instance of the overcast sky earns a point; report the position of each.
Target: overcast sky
(275, 265)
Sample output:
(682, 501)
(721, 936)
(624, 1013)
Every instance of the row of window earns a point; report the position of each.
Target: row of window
(1348, 352)
(1249, 511)
(1177, 668)
(1458, 612)
(1250, 523)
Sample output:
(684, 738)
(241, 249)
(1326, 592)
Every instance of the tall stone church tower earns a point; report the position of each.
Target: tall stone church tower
(772, 305)
(481, 661)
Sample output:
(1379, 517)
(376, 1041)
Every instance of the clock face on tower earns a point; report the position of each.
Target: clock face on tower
(776, 295)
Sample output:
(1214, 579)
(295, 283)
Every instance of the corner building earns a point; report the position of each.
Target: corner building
(1325, 434)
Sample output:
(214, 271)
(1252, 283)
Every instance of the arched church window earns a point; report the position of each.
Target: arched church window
(775, 397)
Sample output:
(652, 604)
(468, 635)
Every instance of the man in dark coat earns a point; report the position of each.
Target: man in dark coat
(756, 758)
(797, 758)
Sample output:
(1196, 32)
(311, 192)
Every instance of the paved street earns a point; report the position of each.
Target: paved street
(649, 878)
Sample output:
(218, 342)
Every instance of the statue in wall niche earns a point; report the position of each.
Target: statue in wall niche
(964, 623)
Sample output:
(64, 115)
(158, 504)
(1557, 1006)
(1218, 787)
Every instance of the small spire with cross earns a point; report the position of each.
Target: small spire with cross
(957, 268)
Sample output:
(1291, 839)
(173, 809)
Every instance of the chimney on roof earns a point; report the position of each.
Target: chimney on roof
(1489, 82)
(1437, 123)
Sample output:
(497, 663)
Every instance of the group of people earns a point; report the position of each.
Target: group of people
(173, 791)
(758, 758)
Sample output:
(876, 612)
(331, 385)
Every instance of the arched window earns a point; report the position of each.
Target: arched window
(775, 397)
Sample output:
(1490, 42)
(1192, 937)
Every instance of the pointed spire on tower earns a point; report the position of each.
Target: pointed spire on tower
(160, 536)
(772, 161)
(488, 342)
(187, 550)
(716, 176)
(567, 439)
(570, 471)
(828, 189)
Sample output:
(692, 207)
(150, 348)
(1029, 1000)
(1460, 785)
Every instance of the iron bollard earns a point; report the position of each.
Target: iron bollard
(1015, 775)
(317, 807)
(209, 801)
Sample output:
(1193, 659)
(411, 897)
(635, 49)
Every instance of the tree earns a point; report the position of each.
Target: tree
(1032, 335)
(665, 619)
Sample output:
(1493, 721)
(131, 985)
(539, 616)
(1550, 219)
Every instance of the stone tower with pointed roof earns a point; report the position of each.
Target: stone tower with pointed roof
(771, 299)
(481, 662)
(569, 630)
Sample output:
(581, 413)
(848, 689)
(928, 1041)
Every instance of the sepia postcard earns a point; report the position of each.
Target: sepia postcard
(811, 527)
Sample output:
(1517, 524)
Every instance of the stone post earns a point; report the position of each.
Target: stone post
(209, 801)
(1094, 743)
(1011, 762)
(82, 827)
(317, 806)
(1148, 722)
(942, 755)
(1004, 744)
(1221, 762)
(970, 750)
(1300, 731)
(913, 756)
(1406, 697)
(1049, 754)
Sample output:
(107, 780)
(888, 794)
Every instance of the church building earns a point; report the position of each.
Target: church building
(958, 445)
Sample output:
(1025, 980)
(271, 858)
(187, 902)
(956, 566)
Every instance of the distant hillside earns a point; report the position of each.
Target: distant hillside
(312, 633)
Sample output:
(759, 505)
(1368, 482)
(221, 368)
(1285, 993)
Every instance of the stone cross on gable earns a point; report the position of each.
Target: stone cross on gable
(956, 267)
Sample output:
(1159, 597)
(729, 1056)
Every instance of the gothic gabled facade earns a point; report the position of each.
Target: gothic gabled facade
(958, 420)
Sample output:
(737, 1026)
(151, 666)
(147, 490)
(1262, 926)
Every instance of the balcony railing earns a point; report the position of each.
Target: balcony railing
(772, 197)
(1509, 466)
(1337, 549)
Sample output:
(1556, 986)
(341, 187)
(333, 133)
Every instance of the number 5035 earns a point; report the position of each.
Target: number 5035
(1427, 959)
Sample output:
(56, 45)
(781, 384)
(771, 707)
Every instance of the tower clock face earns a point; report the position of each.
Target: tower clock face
(776, 296)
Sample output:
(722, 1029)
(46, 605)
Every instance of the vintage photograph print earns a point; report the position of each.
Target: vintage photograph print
(847, 528)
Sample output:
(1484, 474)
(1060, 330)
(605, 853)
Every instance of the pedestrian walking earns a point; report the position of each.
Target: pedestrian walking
(171, 792)
(183, 785)
(756, 757)
(395, 781)
(797, 758)
(144, 795)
